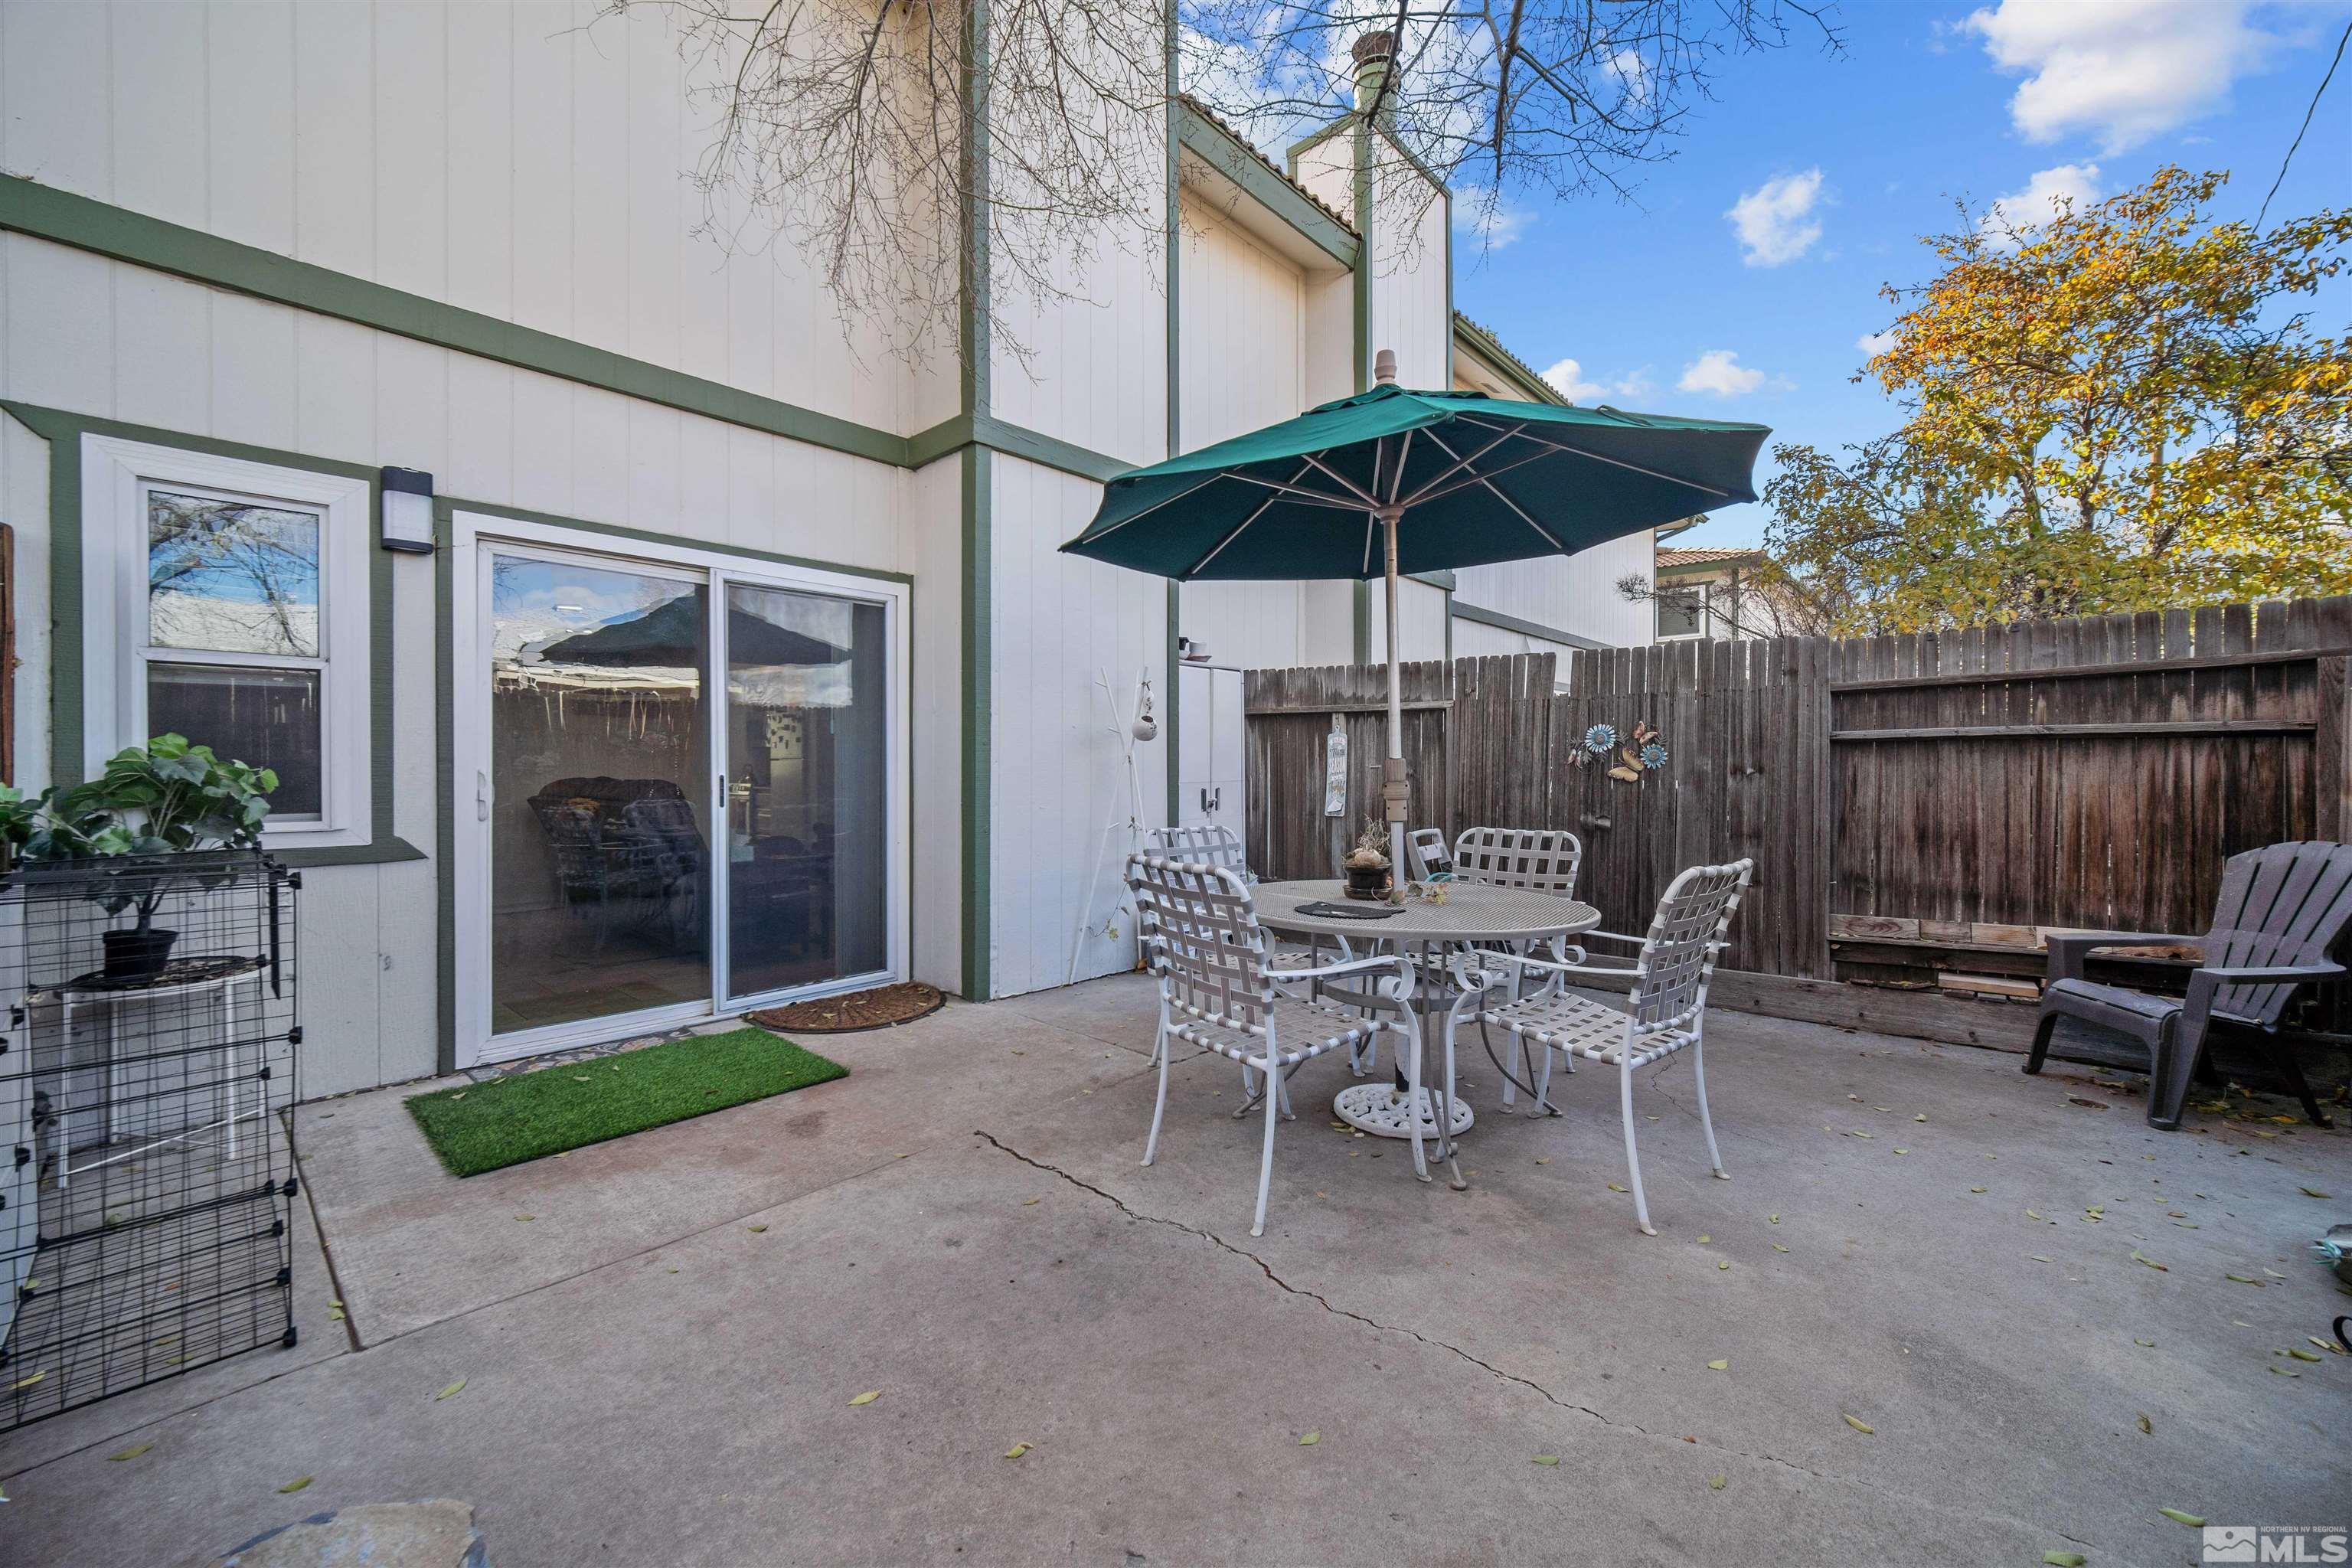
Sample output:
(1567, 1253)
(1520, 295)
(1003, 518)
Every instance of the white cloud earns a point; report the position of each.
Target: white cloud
(1490, 224)
(2072, 187)
(1775, 221)
(1718, 371)
(1876, 344)
(1632, 76)
(2127, 70)
(1567, 378)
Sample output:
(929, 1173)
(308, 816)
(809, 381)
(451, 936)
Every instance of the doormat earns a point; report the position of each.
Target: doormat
(884, 1008)
(529, 1116)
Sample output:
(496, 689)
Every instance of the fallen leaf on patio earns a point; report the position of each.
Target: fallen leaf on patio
(2144, 1345)
(1544, 1161)
(2285, 1373)
(580, 1078)
(2032, 1214)
(1031, 1203)
(1903, 1151)
(1861, 1426)
(2322, 1344)
(1726, 1365)
(451, 1389)
(335, 1314)
(1725, 1264)
(1016, 1451)
(132, 1452)
(2193, 1522)
(2145, 1424)
(2152, 1263)
(868, 1397)
(2242, 1280)
(1717, 1483)
(1615, 1188)
(2273, 1273)
(2064, 1559)
(28, 1382)
(2312, 1192)
(1858, 1133)
(526, 1218)
(755, 1229)
(1978, 1189)
(1778, 1248)
(295, 1485)
(2038, 1257)
(1548, 1459)
(1921, 1117)
(1705, 1239)
(1856, 1097)
(2094, 1104)
(1310, 1439)
(2300, 1353)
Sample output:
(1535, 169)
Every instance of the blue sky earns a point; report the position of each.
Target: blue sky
(1868, 150)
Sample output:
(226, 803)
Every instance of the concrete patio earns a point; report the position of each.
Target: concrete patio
(659, 1337)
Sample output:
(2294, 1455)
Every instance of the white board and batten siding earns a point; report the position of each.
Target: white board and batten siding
(1575, 593)
(412, 146)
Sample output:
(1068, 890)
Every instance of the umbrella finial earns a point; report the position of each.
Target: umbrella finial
(1385, 367)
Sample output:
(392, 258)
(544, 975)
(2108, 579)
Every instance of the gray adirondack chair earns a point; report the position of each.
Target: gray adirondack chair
(2281, 909)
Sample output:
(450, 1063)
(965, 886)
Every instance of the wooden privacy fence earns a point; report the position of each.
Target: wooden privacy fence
(1920, 808)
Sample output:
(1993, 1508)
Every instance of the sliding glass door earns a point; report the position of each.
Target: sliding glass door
(688, 792)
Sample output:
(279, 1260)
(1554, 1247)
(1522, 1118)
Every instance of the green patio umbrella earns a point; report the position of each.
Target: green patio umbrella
(1393, 481)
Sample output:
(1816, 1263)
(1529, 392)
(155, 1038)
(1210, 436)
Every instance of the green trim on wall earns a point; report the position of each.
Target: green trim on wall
(1217, 147)
(1171, 702)
(444, 811)
(979, 719)
(104, 229)
(63, 430)
(1457, 610)
(1449, 626)
(50, 214)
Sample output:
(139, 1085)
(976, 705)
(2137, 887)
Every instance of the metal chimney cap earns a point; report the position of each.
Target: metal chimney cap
(1384, 370)
(1379, 46)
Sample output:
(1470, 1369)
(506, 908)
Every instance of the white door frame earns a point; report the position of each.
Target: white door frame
(472, 537)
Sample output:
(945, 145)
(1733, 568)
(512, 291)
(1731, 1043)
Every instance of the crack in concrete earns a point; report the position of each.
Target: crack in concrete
(1214, 1239)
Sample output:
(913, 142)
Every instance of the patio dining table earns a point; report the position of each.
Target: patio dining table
(1471, 912)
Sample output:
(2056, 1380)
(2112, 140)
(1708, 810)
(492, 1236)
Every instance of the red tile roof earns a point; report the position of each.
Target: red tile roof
(1708, 557)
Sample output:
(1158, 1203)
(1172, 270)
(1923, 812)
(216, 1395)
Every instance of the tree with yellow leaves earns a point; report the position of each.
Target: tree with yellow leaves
(2122, 407)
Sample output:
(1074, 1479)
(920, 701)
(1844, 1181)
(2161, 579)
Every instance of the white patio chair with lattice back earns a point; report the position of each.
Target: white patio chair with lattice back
(1217, 991)
(1218, 845)
(1541, 859)
(1664, 1013)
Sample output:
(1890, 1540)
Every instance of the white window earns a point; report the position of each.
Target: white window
(1682, 609)
(228, 601)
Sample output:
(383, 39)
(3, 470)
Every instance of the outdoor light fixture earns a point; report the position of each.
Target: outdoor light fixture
(408, 510)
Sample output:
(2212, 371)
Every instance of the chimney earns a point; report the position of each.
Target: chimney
(1384, 368)
(1373, 54)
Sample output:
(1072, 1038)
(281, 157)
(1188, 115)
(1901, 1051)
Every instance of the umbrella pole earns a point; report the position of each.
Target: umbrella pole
(1393, 780)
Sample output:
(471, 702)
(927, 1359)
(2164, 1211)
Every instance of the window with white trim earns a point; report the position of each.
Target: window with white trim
(228, 601)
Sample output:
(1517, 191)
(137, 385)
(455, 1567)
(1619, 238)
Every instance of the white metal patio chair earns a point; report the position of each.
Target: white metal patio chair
(1218, 845)
(1541, 859)
(1217, 991)
(1665, 1011)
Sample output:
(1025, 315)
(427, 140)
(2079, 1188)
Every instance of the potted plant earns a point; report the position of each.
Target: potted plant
(1367, 864)
(150, 804)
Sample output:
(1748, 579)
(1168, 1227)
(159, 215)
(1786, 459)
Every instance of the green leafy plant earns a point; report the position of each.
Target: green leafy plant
(164, 798)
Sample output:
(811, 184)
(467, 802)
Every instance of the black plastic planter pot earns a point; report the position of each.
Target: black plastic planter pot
(137, 954)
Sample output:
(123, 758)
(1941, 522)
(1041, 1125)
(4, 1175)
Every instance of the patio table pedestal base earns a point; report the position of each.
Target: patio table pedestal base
(1381, 1110)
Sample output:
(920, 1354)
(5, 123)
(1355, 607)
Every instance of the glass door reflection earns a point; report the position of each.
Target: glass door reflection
(806, 789)
(599, 753)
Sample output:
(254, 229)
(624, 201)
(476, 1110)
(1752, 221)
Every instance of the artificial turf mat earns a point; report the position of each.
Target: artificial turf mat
(529, 1116)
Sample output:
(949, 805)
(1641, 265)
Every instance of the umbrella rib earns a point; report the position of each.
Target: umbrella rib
(1155, 506)
(1342, 480)
(1312, 498)
(1236, 534)
(1613, 462)
(1424, 497)
(1423, 493)
(1518, 510)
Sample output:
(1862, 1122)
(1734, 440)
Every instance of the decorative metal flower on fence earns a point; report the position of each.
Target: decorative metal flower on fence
(1601, 739)
(1626, 764)
(1654, 755)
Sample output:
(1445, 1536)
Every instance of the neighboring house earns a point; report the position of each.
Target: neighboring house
(272, 264)
(1710, 593)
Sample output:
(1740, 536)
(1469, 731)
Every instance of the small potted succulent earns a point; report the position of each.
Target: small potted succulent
(151, 803)
(1367, 864)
